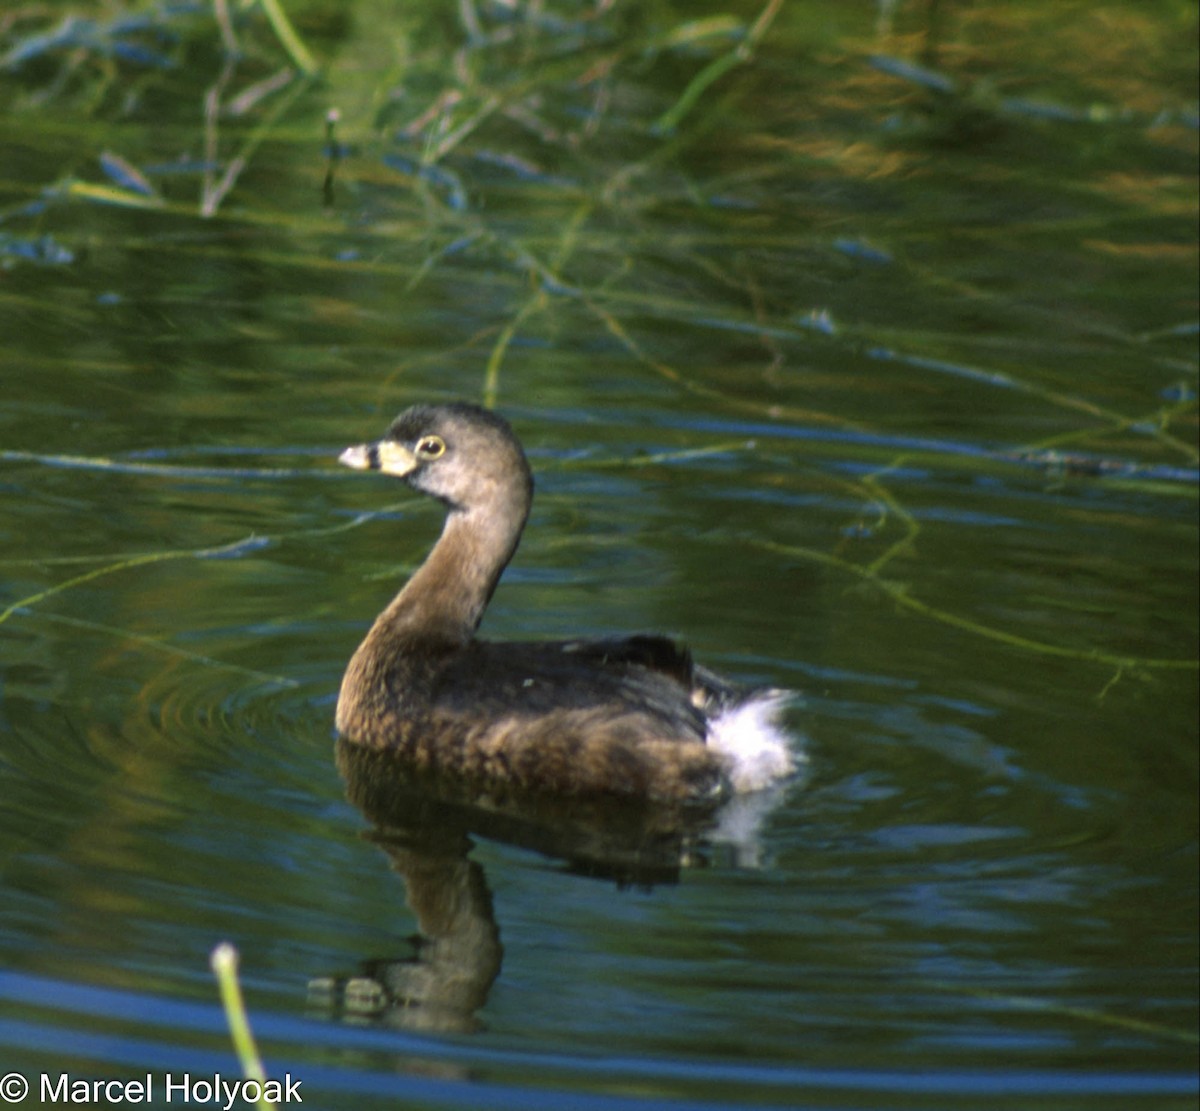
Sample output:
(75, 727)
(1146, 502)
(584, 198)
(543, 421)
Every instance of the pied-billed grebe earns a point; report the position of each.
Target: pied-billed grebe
(628, 716)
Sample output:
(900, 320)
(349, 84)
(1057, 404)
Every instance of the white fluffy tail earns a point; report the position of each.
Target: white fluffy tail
(756, 747)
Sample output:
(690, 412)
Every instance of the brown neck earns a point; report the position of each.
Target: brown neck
(445, 599)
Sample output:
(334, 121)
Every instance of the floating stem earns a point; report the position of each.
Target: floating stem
(224, 963)
(286, 34)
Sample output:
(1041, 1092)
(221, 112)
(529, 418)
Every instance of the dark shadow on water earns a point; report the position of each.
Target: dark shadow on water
(426, 825)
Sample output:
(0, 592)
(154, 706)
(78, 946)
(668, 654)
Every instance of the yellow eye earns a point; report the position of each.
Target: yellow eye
(430, 447)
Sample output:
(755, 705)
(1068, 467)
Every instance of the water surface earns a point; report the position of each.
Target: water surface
(867, 364)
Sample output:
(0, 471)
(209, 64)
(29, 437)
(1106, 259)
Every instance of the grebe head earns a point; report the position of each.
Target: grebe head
(464, 455)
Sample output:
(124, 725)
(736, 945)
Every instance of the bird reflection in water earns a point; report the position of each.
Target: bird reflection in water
(427, 827)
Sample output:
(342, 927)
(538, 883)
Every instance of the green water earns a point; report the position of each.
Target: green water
(873, 381)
